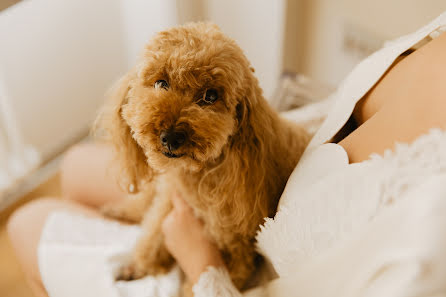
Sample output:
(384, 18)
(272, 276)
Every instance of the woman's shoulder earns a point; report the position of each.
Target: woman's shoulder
(365, 75)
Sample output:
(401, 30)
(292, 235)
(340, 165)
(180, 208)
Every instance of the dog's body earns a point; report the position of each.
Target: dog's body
(191, 117)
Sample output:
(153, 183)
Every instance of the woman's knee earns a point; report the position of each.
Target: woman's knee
(25, 225)
(25, 228)
(72, 169)
(20, 219)
(87, 177)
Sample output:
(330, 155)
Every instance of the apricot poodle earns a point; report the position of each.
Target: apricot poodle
(191, 117)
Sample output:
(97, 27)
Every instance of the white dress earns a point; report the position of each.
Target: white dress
(375, 228)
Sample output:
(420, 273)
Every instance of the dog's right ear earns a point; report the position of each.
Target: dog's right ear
(111, 127)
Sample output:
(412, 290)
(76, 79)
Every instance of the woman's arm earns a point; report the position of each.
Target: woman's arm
(186, 240)
(197, 255)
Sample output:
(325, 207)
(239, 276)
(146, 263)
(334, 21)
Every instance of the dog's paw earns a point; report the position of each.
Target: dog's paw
(114, 212)
(110, 211)
(134, 271)
(124, 211)
(130, 272)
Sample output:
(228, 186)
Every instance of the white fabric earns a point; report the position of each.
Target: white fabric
(375, 228)
(215, 282)
(79, 255)
(401, 253)
(345, 201)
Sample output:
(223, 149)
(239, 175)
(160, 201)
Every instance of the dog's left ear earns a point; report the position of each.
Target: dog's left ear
(242, 113)
(250, 113)
(111, 127)
(244, 106)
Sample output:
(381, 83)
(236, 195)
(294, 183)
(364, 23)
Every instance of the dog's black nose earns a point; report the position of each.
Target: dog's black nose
(172, 140)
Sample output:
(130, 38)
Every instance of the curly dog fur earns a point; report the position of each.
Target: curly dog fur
(236, 153)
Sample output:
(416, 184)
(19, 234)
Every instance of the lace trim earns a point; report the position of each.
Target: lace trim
(215, 282)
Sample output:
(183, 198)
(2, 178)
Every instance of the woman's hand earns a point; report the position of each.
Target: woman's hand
(186, 240)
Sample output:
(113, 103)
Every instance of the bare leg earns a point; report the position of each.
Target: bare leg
(88, 177)
(24, 230)
(87, 183)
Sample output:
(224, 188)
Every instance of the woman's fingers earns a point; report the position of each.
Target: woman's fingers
(187, 241)
(178, 214)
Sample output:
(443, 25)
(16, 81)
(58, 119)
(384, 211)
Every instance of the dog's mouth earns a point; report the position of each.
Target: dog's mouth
(172, 155)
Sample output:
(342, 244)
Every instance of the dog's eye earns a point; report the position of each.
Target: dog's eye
(161, 84)
(210, 96)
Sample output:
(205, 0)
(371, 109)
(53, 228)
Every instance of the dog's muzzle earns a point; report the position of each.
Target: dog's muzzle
(172, 140)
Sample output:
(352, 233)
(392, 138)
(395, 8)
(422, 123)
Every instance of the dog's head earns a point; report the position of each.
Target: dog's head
(180, 106)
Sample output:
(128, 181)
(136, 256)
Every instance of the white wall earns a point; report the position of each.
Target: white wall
(390, 19)
(141, 19)
(329, 23)
(58, 58)
(325, 59)
(258, 27)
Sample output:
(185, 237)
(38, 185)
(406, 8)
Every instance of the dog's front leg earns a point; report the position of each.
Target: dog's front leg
(150, 255)
(133, 208)
(240, 261)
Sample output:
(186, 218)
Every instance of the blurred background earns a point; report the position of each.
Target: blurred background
(59, 57)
